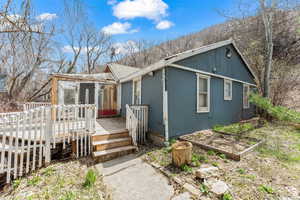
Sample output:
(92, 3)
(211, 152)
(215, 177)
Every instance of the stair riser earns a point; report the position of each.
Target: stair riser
(109, 136)
(101, 147)
(112, 156)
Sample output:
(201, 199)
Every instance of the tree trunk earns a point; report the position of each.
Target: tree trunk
(181, 153)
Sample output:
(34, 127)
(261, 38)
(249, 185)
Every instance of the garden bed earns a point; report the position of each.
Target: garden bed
(271, 171)
(232, 145)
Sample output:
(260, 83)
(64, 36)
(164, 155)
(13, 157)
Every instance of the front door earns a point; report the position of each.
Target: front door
(107, 101)
(87, 93)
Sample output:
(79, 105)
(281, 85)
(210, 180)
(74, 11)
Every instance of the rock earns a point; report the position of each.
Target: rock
(219, 188)
(183, 196)
(191, 189)
(207, 172)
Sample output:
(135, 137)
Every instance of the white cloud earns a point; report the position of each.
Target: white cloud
(118, 28)
(46, 17)
(150, 9)
(165, 24)
(112, 2)
(123, 48)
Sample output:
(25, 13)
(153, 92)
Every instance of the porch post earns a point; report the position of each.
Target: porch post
(165, 107)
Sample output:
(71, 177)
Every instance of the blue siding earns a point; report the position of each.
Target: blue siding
(233, 67)
(152, 95)
(126, 96)
(182, 100)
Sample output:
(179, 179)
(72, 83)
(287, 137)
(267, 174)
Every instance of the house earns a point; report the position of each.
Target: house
(190, 91)
(180, 94)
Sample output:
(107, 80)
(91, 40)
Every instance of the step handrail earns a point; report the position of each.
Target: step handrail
(131, 124)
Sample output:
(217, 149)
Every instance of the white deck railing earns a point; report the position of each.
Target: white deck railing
(28, 137)
(32, 105)
(137, 122)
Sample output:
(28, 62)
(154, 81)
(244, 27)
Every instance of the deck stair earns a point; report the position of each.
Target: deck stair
(110, 144)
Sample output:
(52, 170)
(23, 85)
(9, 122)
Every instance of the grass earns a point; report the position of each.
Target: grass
(61, 181)
(266, 189)
(277, 157)
(234, 128)
(90, 179)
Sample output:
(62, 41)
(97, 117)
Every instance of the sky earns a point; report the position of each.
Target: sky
(154, 20)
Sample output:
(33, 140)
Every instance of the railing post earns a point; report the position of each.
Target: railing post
(48, 136)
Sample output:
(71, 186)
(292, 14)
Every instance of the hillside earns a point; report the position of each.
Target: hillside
(245, 32)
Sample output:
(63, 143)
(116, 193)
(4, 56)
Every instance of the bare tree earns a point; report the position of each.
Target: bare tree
(96, 45)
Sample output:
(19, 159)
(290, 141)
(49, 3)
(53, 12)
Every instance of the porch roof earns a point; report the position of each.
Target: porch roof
(99, 77)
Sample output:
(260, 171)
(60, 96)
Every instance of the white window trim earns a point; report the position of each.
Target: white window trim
(246, 106)
(203, 109)
(228, 98)
(139, 79)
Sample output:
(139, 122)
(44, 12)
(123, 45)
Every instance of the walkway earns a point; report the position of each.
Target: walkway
(132, 179)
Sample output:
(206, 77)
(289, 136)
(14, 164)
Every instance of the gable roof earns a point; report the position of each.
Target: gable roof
(121, 71)
(180, 56)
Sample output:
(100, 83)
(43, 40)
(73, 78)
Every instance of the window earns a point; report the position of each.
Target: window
(136, 93)
(203, 92)
(246, 91)
(69, 96)
(227, 89)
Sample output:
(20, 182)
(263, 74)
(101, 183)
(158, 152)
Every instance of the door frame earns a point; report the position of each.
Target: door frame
(139, 85)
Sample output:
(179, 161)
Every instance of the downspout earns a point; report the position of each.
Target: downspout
(165, 107)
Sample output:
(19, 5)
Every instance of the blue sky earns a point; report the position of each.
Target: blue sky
(178, 17)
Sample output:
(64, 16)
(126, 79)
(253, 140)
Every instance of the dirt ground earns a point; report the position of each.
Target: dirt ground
(271, 171)
(59, 181)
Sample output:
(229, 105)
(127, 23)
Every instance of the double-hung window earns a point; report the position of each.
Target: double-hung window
(227, 89)
(203, 93)
(246, 92)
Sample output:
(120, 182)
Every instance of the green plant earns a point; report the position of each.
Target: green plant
(234, 128)
(204, 189)
(241, 171)
(211, 153)
(172, 141)
(186, 168)
(215, 164)
(279, 112)
(227, 196)
(90, 179)
(223, 156)
(48, 171)
(34, 181)
(267, 189)
(68, 196)
(16, 183)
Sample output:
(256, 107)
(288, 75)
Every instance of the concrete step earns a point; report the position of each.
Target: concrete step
(111, 143)
(99, 136)
(105, 155)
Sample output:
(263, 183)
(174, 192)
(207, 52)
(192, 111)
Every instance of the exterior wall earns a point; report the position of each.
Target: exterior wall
(233, 67)
(182, 100)
(152, 95)
(126, 96)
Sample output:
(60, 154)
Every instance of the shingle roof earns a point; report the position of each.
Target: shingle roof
(180, 56)
(121, 71)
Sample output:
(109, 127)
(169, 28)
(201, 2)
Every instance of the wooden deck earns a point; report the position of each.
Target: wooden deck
(106, 125)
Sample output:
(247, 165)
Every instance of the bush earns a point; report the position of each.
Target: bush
(90, 179)
(279, 112)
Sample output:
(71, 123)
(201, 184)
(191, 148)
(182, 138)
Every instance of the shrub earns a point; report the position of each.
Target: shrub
(90, 179)
(279, 112)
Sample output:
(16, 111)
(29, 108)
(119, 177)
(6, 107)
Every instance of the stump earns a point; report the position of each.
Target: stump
(182, 153)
